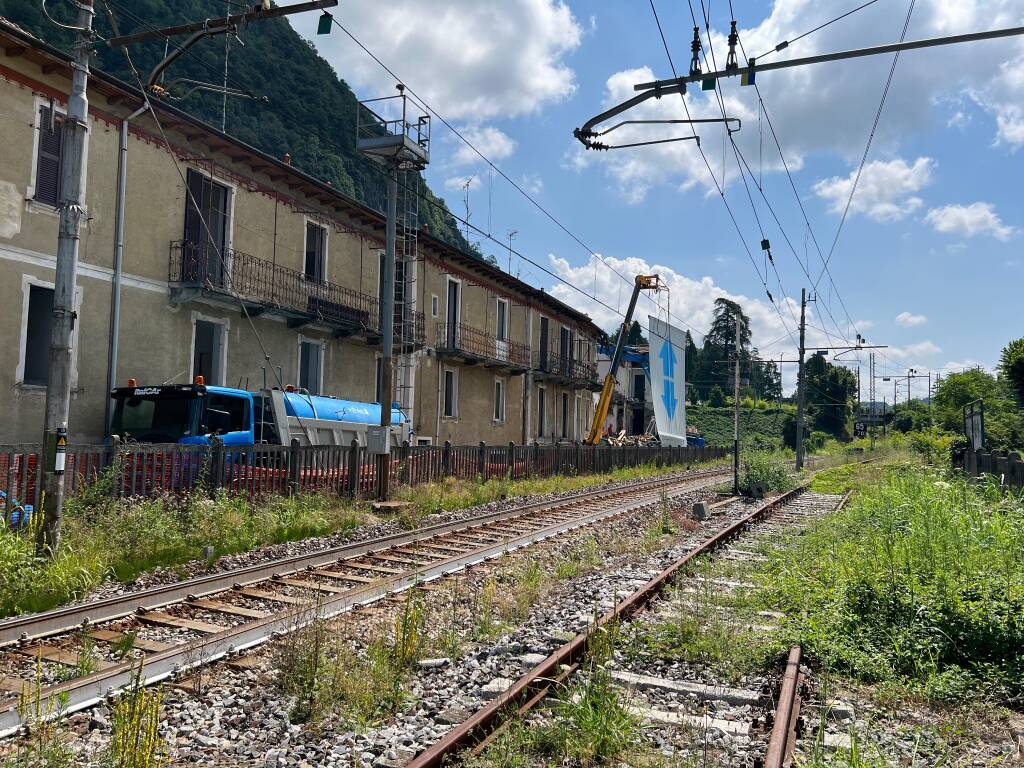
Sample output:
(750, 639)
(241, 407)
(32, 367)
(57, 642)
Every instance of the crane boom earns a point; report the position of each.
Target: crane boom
(642, 283)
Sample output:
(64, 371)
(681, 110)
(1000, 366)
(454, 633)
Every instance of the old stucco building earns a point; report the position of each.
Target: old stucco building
(272, 276)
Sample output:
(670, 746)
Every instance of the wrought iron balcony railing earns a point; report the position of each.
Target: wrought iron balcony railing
(474, 345)
(265, 285)
(554, 366)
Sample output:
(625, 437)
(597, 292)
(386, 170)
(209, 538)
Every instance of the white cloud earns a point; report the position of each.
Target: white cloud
(885, 191)
(916, 350)
(827, 108)
(1003, 97)
(692, 304)
(532, 183)
(492, 142)
(969, 220)
(910, 320)
(471, 60)
(458, 183)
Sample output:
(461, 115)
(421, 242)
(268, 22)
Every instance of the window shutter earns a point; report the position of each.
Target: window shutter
(48, 166)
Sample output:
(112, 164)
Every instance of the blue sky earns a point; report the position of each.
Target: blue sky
(929, 260)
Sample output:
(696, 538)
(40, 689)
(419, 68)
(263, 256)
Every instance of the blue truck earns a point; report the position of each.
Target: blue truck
(197, 414)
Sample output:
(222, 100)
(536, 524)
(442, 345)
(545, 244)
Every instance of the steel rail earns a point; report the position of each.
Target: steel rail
(533, 686)
(783, 737)
(38, 625)
(82, 693)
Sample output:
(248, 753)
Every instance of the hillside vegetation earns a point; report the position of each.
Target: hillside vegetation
(309, 112)
(757, 427)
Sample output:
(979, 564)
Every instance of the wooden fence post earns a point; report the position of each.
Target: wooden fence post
(446, 459)
(534, 458)
(511, 472)
(481, 460)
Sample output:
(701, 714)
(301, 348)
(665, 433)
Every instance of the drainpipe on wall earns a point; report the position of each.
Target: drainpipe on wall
(115, 291)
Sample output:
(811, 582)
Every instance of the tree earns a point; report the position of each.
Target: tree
(634, 336)
(716, 398)
(831, 391)
(1011, 367)
(1004, 420)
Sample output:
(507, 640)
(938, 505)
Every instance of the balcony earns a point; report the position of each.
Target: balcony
(472, 346)
(565, 371)
(197, 269)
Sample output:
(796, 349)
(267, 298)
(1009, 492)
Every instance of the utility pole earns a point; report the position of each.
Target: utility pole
(72, 212)
(736, 415)
(800, 384)
(399, 144)
(387, 330)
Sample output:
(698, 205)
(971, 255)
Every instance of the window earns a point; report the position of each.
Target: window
(49, 157)
(453, 311)
(310, 366)
(207, 221)
(578, 419)
(639, 385)
(316, 252)
(541, 412)
(501, 320)
(499, 400)
(37, 335)
(225, 413)
(434, 301)
(451, 394)
(565, 415)
(378, 381)
(543, 362)
(208, 351)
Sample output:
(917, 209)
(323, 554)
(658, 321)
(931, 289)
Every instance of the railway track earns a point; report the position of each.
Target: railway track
(772, 705)
(177, 627)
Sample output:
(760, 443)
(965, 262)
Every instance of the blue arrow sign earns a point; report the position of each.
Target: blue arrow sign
(668, 359)
(668, 396)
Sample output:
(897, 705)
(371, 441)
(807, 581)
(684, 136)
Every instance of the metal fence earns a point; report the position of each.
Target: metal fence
(154, 470)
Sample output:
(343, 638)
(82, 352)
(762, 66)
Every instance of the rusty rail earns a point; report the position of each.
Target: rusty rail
(782, 741)
(534, 685)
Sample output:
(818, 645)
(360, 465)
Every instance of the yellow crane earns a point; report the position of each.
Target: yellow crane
(642, 283)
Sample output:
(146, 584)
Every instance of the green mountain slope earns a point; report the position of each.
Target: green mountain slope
(309, 110)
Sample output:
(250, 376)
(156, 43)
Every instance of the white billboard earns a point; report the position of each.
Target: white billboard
(668, 380)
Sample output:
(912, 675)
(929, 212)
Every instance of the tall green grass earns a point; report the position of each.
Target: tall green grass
(918, 581)
(123, 537)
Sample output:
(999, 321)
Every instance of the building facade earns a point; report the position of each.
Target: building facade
(239, 267)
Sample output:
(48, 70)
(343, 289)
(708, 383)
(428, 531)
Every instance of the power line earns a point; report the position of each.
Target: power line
(707, 163)
(220, 256)
(867, 148)
(786, 43)
(533, 201)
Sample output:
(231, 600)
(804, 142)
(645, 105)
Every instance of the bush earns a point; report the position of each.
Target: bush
(934, 445)
(769, 470)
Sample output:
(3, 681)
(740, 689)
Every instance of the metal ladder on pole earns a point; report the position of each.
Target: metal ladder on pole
(406, 274)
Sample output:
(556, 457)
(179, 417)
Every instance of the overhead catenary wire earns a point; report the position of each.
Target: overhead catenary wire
(591, 252)
(782, 45)
(707, 163)
(867, 148)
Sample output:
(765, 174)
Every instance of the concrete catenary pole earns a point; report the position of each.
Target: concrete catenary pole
(72, 213)
(387, 329)
(736, 415)
(800, 384)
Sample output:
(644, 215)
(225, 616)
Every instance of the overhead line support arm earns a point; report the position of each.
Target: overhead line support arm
(854, 53)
